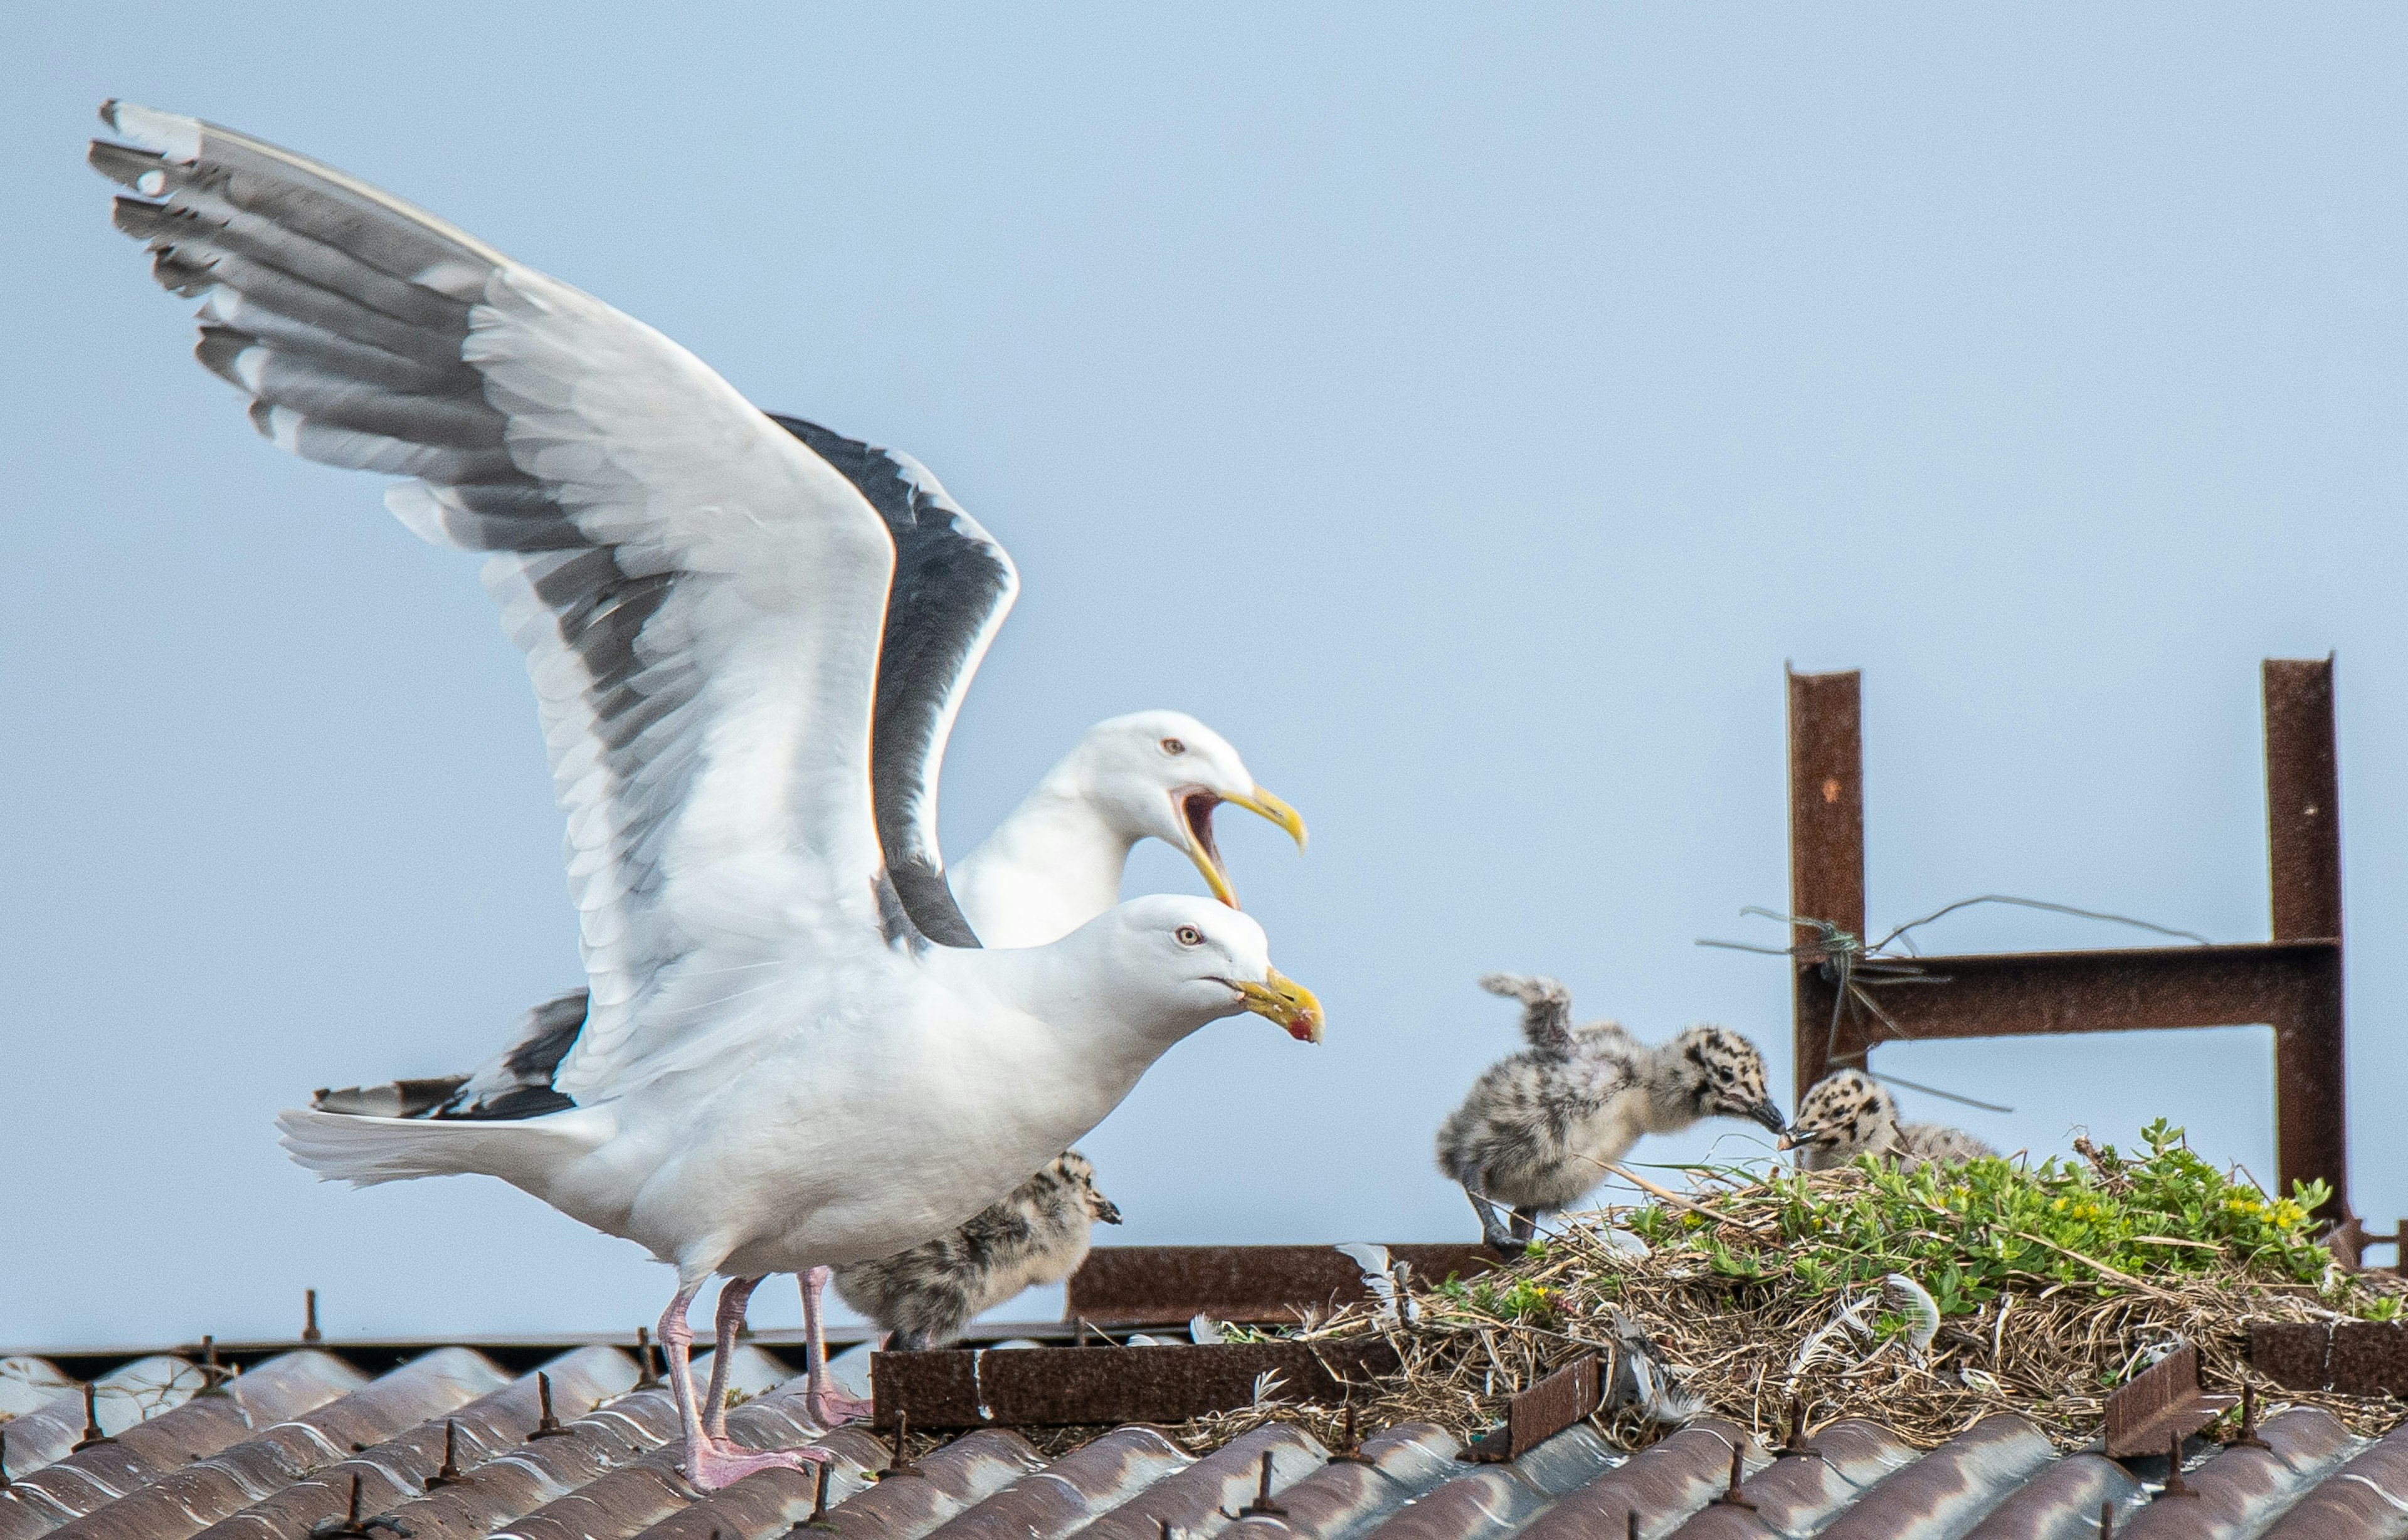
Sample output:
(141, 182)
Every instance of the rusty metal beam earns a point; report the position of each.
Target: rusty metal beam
(2292, 983)
(2162, 1401)
(2022, 994)
(1163, 1285)
(1827, 837)
(1542, 1412)
(2353, 1357)
(1069, 1386)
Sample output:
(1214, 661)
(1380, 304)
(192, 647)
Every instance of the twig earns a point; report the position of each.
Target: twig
(1677, 1201)
(2101, 1267)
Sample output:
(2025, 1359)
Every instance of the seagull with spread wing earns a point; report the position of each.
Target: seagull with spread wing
(1057, 861)
(780, 1065)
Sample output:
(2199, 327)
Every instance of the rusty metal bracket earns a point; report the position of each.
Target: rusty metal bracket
(1165, 1285)
(2160, 1403)
(1542, 1412)
(1069, 1386)
(2353, 1357)
(2292, 982)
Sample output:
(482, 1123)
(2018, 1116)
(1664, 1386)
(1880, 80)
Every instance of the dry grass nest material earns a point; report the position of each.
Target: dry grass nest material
(2053, 1284)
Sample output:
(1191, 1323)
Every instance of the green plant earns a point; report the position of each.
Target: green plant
(1963, 1230)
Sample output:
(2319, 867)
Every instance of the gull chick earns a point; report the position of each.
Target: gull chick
(1037, 1233)
(1537, 1127)
(1848, 1113)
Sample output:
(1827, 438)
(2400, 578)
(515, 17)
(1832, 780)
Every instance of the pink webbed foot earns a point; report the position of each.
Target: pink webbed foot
(833, 1409)
(711, 1466)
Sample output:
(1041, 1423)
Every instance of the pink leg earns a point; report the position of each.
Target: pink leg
(831, 1406)
(706, 1465)
(732, 1301)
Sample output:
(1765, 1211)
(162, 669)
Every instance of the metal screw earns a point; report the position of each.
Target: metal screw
(2174, 1485)
(1262, 1506)
(1732, 1497)
(1796, 1443)
(309, 1332)
(645, 1377)
(820, 1497)
(547, 1425)
(91, 1433)
(1350, 1443)
(354, 1527)
(449, 1475)
(213, 1374)
(899, 1463)
(2106, 1521)
(2248, 1438)
(1630, 1524)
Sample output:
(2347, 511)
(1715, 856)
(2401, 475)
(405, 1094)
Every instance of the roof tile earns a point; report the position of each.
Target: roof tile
(86, 1481)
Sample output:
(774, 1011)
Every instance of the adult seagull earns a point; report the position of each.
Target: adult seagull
(1057, 861)
(779, 1068)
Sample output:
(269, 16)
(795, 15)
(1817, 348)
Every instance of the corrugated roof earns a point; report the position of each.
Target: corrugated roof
(279, 1452)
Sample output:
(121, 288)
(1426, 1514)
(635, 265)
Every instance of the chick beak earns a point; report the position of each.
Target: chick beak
(1195, 805)
(1770, 1116)
(1791, 1138)
(1107, 1211)
(1285, 1001)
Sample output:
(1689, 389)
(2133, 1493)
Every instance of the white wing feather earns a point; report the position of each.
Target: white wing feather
(699, 596)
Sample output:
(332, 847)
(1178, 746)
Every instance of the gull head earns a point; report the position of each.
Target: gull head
(1846, 1110)
(1720, 1074)
(1191, 961)
(1160, 774)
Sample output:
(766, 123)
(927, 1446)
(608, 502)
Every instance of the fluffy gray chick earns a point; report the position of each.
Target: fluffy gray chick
(1537, 1127)
(1848, 1113)
(1037, 1233)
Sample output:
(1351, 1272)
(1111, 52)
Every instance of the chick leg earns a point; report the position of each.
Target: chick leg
(1492, 1227)
(830, 1405)
(1526, 1226)
(706, 1465)
(732, 1301)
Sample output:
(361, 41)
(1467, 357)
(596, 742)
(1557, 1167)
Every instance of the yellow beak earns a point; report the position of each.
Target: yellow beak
(1271, 808)
(1288, 1002)
(1195, 814)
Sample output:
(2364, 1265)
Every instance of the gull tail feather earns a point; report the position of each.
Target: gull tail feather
(366, 1152)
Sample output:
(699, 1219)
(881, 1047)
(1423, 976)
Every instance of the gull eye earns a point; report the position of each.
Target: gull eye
(1172, 746)
(1189, 935)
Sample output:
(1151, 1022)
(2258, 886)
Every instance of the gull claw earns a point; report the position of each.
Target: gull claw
(833, 1409)
(711, 1466)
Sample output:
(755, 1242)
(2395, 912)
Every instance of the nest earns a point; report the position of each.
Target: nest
(2049, 1348)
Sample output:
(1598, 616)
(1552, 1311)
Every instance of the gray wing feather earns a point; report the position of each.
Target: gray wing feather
(650, 531)
(953, 584)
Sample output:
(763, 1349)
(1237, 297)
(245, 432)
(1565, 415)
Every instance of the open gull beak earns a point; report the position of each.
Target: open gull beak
(1791, 1138)
(1285, 1001)
(1195, 805)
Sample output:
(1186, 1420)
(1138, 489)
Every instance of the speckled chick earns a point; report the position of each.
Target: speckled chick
(1038, 1233)
(1848, 1113)
(1537, 1127)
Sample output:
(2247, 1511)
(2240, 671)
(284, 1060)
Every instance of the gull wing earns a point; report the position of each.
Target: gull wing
(699, 598)
(953, 584)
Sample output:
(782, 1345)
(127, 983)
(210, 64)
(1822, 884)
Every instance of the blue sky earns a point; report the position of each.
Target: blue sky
(1466, 409)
